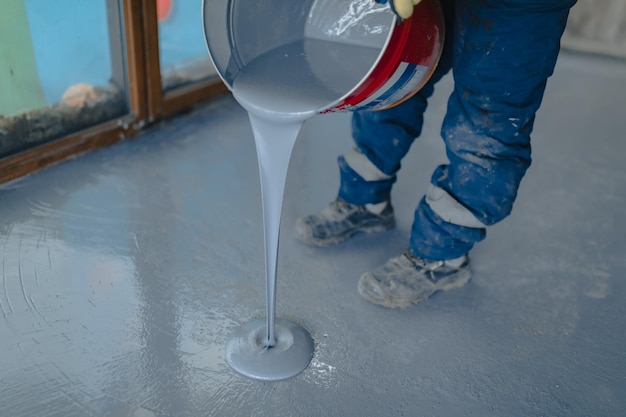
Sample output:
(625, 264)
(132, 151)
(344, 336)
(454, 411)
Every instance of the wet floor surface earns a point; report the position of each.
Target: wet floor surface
(124, 272)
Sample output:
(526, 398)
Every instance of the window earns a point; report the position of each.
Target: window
(59, 75)
(77, 75)
(182, 50)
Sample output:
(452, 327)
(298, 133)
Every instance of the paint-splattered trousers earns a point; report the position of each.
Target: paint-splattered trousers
(501, 53)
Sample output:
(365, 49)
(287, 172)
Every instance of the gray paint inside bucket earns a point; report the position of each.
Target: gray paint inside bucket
(302, 77)
(321, 31)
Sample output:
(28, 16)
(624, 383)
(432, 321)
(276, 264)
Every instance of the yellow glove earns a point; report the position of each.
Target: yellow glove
(404, 8)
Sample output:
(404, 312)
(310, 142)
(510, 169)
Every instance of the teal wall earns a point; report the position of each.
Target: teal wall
(20, 89)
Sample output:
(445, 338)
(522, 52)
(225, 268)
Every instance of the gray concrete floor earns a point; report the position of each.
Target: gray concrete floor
(124, 271)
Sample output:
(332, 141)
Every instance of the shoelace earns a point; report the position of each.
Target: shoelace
(422, 264)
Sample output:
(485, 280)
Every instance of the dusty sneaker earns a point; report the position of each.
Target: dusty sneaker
(406, 280)
(340, 220)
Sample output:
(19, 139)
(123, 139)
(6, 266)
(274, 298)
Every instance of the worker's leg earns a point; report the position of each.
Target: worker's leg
(504, 51)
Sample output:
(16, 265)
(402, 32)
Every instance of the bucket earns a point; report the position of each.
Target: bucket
(330, 55)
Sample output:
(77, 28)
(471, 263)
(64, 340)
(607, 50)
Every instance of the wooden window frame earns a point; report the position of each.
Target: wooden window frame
(160, 103)
(146, 99)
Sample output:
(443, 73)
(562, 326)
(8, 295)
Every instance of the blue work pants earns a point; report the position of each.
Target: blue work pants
(501, 53)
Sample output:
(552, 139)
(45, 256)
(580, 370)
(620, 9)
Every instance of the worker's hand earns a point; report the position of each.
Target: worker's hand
(403, 8)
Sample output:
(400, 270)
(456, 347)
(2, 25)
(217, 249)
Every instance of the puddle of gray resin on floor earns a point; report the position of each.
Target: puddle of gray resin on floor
(274, 349)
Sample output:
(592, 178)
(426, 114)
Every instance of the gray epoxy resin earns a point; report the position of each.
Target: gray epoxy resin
(281, 87)
(270, 352)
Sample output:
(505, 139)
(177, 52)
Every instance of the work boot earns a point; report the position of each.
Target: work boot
(407, 279)
(340, 220)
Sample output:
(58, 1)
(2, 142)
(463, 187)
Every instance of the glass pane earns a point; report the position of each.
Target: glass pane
(61, 69)
(183, 55)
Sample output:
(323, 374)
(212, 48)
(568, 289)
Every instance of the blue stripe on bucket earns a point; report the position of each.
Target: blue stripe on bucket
(398, 85)
(406, 76)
